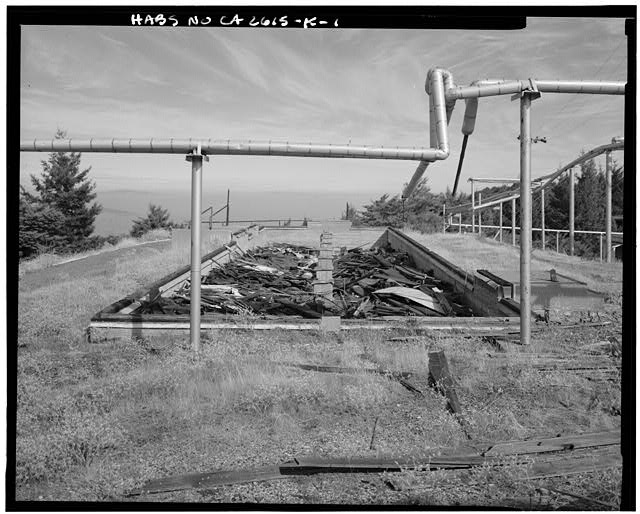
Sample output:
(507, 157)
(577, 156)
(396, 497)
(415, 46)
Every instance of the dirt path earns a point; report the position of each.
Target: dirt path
(102, 264)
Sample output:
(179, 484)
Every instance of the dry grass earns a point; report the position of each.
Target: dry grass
(97, 420)
(46, 260)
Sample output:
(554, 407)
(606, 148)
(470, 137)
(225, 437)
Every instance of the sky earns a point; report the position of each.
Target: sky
(326, 86)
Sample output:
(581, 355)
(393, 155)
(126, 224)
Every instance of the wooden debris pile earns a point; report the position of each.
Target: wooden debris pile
(383, 282)
(278, 280)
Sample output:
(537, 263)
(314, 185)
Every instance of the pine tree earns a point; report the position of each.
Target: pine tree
(590, 198)
(41, 227)
(157, 217)
(67, 190)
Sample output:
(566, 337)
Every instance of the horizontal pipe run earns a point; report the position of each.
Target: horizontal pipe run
(229, 147)
(544, 86)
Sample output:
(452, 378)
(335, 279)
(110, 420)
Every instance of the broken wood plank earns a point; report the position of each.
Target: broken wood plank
(552, 444)
(605, 458)
(206, 480)
(441, 378)
(312, 465)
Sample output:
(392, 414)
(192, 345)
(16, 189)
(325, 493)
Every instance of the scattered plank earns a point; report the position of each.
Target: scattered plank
(553, 444)
(574, 464)
(207, 480)
(441, 378)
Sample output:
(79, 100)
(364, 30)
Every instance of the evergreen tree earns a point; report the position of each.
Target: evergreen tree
(590, 198)
(41, 227)
(66, 190)
(157, 217)
(617, 188)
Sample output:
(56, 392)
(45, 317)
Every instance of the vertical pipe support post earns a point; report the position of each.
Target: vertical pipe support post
(608, 211)
(196, 159)
(525, 215)
(444, 218)
(501, 222)
(544, 235)
(572, 212)
(459, 223)
(558, 241)
(513, 221)
(227, 223)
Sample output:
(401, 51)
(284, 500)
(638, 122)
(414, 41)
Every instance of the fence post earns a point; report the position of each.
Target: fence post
(600, 246)
(513, 221)
(444, 218)
(572, 220)
(480, 215)
(473, 207)
(501, 222)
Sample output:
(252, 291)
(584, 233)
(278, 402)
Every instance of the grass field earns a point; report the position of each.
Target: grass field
(95, 421)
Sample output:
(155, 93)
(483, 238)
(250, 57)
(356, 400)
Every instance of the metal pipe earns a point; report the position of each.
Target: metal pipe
(196, 202)
(525, 219)
(572, 218)
(600, 247)
(444, 219)
(558, 242)
(608, 207)
(229, 147)
(460, 161)
(439, 115)
(460, 223)
(501, 222)
(544, 86)
(542, 235)
(513, 221)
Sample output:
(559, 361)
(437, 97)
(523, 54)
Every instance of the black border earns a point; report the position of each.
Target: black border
(387, 17)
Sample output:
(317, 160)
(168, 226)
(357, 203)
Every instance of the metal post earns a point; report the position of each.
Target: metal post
(459, 223)
(544, 236)
(501, 222)
(608, 214)
(600, 246)
(480, 215)
(444, 218)
(196, 201)
(473, 207)
(572, 202)
(513, 221)
(227, 208)
(558, 242)
(525, 219)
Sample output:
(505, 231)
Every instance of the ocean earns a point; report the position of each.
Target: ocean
(120, 208)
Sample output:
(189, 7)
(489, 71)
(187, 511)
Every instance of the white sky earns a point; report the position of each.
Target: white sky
(326, 86)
